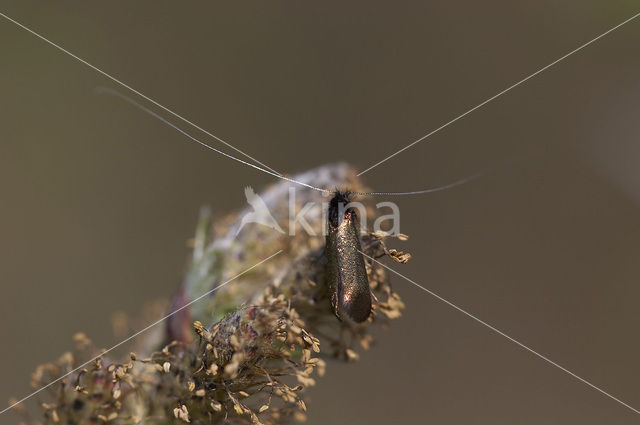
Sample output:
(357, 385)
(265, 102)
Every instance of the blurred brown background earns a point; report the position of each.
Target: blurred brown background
(98, 199)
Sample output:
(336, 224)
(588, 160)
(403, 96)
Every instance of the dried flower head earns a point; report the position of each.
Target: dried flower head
(254, 362)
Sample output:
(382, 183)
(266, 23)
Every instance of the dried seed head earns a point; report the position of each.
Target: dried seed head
(240, 365)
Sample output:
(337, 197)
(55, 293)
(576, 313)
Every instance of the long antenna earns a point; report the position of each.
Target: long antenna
(101, 90)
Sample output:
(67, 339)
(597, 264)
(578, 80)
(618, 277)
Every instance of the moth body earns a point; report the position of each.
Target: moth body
(346, 273)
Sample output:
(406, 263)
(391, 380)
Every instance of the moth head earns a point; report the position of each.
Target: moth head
(338, 207)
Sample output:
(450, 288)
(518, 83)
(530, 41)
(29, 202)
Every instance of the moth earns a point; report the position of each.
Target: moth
(346, 273)
(347, 279)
